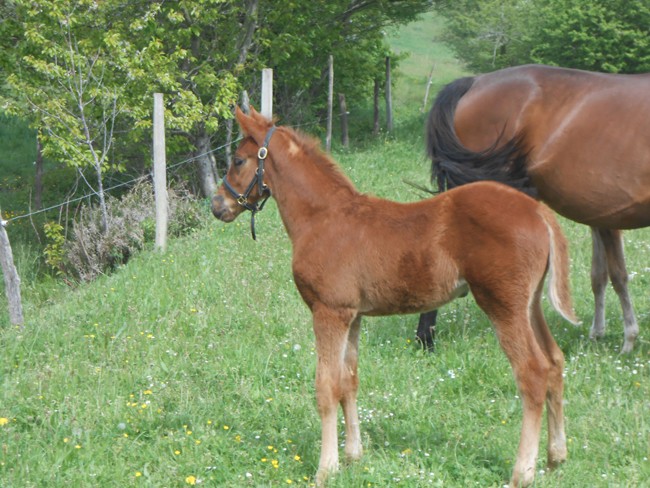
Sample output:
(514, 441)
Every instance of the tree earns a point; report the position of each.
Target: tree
(599, 35)
(66, 87)
(200, 53)
(488, 34)
(352, 31)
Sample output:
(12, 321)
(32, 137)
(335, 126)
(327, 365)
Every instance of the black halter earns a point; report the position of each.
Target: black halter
(258, 179)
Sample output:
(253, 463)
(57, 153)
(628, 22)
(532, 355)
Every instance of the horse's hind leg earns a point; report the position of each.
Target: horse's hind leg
(613, 242)
(335, 384)
(427, 329)
(557, 451)
(598, 283)
(531, 370)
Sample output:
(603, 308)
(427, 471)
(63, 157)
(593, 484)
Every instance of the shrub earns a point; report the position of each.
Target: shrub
(90, 252)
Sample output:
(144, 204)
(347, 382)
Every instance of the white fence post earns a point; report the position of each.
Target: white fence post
(12, 280)
(160, 171)
(267, 93)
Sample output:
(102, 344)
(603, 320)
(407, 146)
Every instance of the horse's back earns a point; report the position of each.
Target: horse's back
(539, 98)
(586, 135)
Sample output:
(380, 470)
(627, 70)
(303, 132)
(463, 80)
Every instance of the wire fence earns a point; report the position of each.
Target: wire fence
(133, 181)
(112, 188)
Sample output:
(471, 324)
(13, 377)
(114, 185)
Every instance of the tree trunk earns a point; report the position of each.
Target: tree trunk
(205, 166)
(38, 176)
(102, 197)
(345, 138)
(375, 126)
(330, 95)
(228, 149)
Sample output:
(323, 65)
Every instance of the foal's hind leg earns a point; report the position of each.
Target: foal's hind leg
(531, 370)
(557, 451)
(350, 381)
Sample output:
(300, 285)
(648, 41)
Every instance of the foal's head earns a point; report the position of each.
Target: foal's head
(244, 185)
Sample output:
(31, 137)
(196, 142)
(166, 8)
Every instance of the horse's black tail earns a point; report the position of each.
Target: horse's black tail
(453, 165)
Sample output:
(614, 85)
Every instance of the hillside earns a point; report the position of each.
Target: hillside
(196, 366)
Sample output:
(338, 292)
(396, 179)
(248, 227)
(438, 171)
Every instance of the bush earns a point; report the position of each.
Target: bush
(90, 252)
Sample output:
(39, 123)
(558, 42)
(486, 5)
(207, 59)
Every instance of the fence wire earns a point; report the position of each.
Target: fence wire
(134, 180)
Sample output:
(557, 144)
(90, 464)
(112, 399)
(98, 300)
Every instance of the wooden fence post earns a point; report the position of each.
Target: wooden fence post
(330, 101)
(426, 92)
(12, 280)
(160, 171)
(345, 137)
(389, 98)
(375, 104)
(267, 93)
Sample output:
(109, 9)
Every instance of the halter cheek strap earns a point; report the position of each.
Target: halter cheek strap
(258, 179)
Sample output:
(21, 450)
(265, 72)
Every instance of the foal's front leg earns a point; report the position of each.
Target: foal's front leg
(335, 383)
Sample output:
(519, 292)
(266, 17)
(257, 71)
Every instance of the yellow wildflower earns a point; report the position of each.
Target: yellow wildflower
(190, 480)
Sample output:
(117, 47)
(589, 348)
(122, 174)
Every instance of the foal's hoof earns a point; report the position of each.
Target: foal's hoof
(322, 475)
(555, 459)
(353, 454)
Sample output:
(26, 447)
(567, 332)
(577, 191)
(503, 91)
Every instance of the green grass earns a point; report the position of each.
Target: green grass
(194, 362)
(422, 50)
(199, 364)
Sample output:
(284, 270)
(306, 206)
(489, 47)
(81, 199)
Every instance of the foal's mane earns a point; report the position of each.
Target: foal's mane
(311, 148)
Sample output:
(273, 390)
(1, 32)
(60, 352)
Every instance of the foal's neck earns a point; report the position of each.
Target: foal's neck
(308, 185)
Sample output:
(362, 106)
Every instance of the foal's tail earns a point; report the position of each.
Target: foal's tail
(452, 164)
(559, 291)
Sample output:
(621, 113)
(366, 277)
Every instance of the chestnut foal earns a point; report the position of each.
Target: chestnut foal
(356, 255)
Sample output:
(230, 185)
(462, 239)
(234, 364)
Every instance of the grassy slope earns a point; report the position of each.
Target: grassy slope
(200, 363)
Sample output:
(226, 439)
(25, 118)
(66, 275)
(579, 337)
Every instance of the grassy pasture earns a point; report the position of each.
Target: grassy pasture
(197, 366)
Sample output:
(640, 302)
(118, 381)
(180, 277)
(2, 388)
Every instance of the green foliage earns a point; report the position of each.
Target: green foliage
(85, 71)
(54, 250)
(599, 35)
(489, 34)
(603, 35)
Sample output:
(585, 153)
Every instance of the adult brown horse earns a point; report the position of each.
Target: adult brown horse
(356, 255)
(577, 140)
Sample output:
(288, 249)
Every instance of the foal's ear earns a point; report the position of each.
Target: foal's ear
(244, 121)
(254, 125)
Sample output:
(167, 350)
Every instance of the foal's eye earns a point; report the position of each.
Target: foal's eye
(239, 161)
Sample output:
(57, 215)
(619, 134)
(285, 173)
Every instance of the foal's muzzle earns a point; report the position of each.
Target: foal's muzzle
(221, 209)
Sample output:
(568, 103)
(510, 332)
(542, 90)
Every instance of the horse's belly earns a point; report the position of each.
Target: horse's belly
(597, 199)
(633, 215)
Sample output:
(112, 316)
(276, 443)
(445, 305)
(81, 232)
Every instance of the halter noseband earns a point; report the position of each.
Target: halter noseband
(258, 179)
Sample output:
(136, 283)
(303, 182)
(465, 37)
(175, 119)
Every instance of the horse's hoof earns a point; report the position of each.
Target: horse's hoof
(627, 347)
